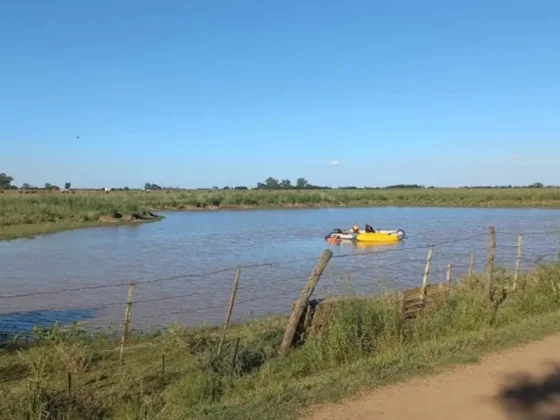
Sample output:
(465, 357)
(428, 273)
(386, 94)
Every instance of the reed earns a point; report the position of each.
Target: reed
(27, 207)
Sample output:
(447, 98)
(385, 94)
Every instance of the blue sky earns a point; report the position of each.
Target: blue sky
(202, 93)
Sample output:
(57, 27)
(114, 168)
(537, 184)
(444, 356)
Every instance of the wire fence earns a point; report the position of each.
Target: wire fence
(268, 288)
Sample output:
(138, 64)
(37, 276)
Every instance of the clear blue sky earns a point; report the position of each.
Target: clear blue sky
(201, 93)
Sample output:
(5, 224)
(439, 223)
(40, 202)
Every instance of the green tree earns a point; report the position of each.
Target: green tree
(301, 183)
(286, 184)
(272, 183)
(5, 181)
(48, 186)
(147, 186)
(269, 184)
(67, 186)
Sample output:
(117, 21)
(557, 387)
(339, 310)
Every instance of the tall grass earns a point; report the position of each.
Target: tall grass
(19, 208)
(56, 207)
(366, 343)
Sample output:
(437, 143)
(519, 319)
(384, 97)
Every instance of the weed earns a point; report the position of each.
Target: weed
(366, 343)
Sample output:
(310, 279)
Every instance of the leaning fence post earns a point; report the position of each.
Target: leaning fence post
(230, 308)
(426, 274)
(235, 350)
(302, 301)
(471, 264)
(518, 261)
(489, 288)
(126, 326)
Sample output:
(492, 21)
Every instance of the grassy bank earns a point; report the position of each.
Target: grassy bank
(367, 344)
(32, 230)
(27, 215)
(26, 212)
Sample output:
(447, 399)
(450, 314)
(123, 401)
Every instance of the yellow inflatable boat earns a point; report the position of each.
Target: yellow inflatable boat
(379, 236)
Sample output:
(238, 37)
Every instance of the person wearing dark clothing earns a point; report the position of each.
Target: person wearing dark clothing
(369, 229)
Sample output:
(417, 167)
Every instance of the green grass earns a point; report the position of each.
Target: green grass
(21, 209)
(367, 344)
(27, 215)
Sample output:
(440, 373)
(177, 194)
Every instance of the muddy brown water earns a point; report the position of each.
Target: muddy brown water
(172, 261)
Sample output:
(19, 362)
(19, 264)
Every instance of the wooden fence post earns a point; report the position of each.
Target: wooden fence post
(471, 264)
(69, 383)
(489, 287)
(426, 274)
(449, 267)
(558, 244)
(518, 261)
(126, 326)
(163, 369)
(235, 350)
(230, 308)
(302, 301)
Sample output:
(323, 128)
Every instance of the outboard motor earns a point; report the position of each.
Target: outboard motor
(334, 231)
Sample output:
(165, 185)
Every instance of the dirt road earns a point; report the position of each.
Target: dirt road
(519, 384)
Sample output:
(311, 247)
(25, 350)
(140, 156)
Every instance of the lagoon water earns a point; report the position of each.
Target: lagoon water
(184, 266)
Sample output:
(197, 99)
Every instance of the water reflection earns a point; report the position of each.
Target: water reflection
(370, 246)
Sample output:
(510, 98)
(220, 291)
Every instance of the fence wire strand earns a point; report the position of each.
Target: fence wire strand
(278, 288)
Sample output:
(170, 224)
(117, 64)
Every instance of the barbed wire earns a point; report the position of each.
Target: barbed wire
(280, 291)
(184, 276)
(525, 233)
(123, 284)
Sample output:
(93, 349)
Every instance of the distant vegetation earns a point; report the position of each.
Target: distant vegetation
(27, 210)
(285, 184)
(269, 184)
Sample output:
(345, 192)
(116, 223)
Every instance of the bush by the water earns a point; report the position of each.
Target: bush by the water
(366, 343)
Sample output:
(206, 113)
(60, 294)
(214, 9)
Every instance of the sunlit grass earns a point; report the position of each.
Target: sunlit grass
(20, 208)
(367, 343)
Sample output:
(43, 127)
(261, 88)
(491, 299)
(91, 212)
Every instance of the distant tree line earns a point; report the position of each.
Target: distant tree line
(269, 184)
(6, 184)
(150, 186)
(389, 187)
(535, 185)
(301, 184)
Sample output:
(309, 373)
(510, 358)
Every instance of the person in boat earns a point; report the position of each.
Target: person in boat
(355, 229)
(369, 229)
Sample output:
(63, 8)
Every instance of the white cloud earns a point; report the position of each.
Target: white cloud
(334, 163)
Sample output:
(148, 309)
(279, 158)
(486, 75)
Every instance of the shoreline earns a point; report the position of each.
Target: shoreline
(30, 231)
(553, 205)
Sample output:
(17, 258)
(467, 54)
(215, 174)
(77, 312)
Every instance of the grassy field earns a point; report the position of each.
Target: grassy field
(367, 344)
(27, 213)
